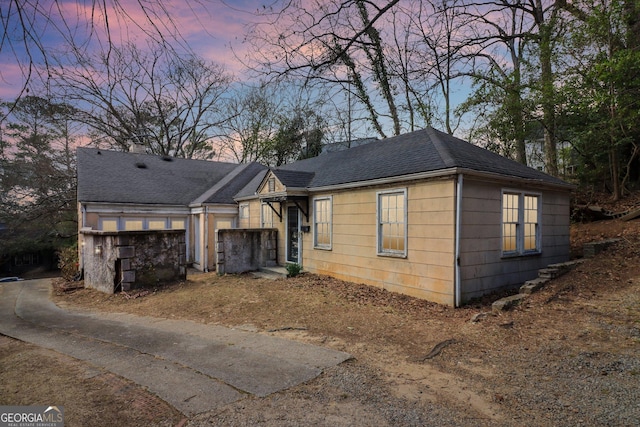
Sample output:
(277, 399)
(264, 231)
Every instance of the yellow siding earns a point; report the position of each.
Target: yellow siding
(265, 188)
(427, 271)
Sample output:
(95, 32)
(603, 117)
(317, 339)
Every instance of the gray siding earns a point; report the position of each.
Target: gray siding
(483, 269)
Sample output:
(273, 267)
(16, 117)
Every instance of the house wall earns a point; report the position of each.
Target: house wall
(90, 219)
(483, 268)
(126, 260)
(427, 271)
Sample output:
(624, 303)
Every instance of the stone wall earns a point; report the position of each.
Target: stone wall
(246, 249)
(125, 260)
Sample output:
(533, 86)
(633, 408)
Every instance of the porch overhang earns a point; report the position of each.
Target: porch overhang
(300, 200)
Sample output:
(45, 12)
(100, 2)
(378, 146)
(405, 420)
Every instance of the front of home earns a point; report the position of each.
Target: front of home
(423, 214)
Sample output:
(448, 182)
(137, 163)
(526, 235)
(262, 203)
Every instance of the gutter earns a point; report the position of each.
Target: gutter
(441, 173)
(457, 279)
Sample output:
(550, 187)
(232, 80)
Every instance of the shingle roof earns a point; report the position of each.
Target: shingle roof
(117, 177)
(295, 179)
(422, 151)
(227, 191)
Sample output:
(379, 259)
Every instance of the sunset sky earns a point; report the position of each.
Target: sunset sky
(209, 27)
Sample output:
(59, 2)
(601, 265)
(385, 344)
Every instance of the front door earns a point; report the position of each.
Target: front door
(293, 234)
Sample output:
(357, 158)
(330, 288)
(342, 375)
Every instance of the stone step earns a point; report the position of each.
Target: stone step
(508, 302)
(530, 286)
(594, 248)
(549, 273)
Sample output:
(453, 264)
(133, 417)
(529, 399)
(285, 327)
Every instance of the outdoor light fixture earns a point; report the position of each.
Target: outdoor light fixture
(98, 250)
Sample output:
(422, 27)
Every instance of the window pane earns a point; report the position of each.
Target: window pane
(156, 224)
(391, 228)
(177, 224)
(322, 223)
(133, 224)
(531, 223)
(110, 225)
(509, 237)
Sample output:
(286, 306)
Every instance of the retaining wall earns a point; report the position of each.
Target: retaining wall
(246, 249)
(126, 260)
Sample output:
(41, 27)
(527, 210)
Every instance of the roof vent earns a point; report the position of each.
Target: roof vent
(167, 158)
(141, 165)
(98, 152)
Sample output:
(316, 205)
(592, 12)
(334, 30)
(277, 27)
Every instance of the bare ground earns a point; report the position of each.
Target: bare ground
(569, 355)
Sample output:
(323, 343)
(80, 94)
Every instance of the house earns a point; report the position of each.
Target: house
(134, 191)
(423, 214)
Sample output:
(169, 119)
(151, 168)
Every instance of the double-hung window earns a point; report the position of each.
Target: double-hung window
(520, 223)
(322, 223)
(392, 223)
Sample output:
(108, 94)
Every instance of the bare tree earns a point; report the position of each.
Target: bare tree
(170, 104)
(29, 29)
(252, 121)
(334, 43)
(497, 52)
(437, 31)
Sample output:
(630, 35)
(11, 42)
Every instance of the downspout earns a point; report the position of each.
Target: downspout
(83, 210)
(457, 291)
(205, 249)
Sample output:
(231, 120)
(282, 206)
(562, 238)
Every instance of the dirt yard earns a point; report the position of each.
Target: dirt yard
(568, 356)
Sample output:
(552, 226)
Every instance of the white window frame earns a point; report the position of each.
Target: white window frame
(316, 245)
(379, 236)
(520, 224)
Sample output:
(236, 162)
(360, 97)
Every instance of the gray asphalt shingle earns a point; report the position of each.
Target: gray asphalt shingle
(118, 177)
(425, 150)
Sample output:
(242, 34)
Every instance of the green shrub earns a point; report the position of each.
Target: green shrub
(293, 269)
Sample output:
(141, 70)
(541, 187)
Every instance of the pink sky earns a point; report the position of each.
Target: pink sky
(209, 27)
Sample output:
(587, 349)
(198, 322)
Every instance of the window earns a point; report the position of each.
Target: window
(109, 224)
(156, 224)
(177, 224)
(520, 223)
(392, 223)
(272, 185)
(322, 223)
(133, 224)
(267, 216)
(244, 211)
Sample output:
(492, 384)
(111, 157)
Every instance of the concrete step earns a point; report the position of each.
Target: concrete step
(273, 273)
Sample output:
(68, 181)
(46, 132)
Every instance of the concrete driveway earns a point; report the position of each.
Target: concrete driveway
(194, 367)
